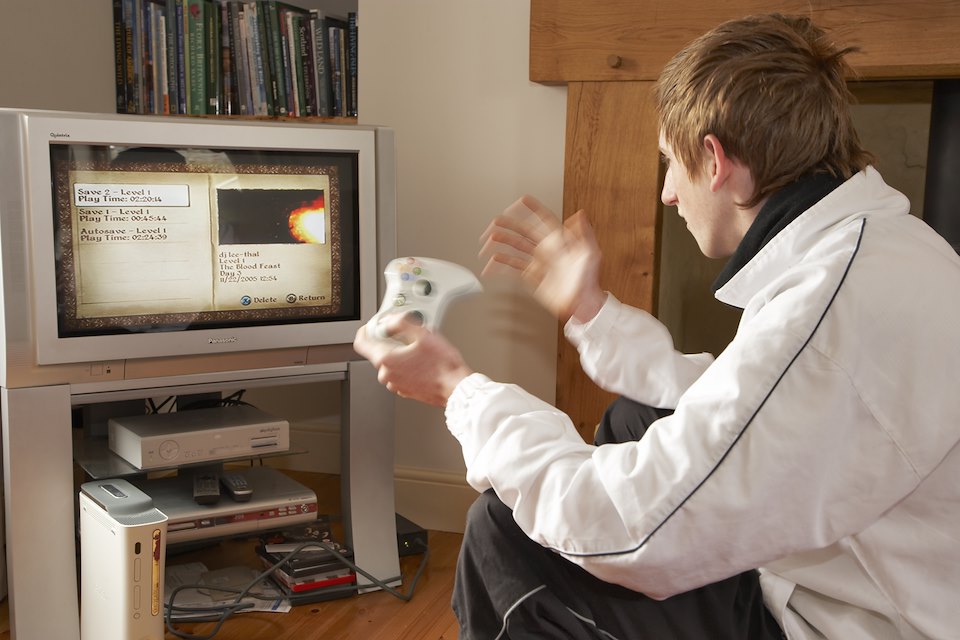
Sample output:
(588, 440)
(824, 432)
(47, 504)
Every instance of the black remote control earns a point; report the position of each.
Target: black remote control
(237, 486)
(206, 488)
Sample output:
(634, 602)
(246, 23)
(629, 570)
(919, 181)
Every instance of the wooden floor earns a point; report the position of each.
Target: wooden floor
(371, 616)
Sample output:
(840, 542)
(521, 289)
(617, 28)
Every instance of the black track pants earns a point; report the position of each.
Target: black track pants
(508, 586)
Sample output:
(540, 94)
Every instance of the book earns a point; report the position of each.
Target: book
(258, 81)
(214, 59)
(238, 45)
(277, 75)
(307, 72)
(321, 71)
(178, 26)
(228, 93)
(334, 42)
(195, 53)
(120, 55)
(352, 64)
(265, 35)
(173, 68)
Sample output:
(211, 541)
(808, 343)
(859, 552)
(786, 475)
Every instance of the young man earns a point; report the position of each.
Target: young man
(821, 447)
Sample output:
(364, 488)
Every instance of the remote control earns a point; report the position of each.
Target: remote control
(421, 288)
(206, 488)
(237, 486)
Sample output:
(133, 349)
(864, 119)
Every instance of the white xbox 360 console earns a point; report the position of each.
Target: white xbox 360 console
(158, 440)
(122, 558)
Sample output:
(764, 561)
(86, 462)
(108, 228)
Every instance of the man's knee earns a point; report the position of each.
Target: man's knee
(626, 420)
(487, 515)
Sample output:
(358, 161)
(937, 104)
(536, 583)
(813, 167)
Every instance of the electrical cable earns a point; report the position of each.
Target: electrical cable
(221, 613)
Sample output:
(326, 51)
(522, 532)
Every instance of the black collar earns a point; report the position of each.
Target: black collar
(782, 208)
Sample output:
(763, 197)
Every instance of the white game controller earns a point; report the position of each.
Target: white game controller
(421, 289)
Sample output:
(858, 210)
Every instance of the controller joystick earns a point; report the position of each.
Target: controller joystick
(422, 289)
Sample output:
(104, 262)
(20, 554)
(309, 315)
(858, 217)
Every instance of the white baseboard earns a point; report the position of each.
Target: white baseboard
(436, 500)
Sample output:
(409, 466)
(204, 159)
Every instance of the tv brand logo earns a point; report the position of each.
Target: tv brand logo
(226, 340)
(55, 135)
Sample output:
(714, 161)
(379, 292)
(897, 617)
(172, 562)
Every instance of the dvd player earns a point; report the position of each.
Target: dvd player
(277, 501)
(159, 440)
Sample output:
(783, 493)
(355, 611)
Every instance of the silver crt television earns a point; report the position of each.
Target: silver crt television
(138, 246)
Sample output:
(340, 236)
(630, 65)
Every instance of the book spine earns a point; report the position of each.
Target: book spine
(172, 73)
(256, 87)
(197, 61)
(276, 58)
(130, 83)
(227, 92)
(161, 58)
(243, 67)
(120, 55)
(266, 49)
(322, 75)
(214, 68)
(290, 56)
(180, 21)
(158, 56)
(261, 62)
(253, 58)
(305, 43)
(236, 56)
(147, 72)
(336, 93)
(342, 52)
(139, 64)
(352, 64)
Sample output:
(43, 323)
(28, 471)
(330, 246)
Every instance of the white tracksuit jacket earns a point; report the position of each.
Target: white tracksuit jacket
(821, 445)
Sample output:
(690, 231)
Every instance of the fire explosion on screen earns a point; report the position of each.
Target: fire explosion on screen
(272, 216)
(308, 223)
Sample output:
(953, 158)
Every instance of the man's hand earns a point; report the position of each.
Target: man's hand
(559, 262)
(415, 362)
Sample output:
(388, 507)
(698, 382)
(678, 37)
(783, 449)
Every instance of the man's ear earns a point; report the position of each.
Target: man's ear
(718, 165)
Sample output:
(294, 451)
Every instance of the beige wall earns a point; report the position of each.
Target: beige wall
(57, 54)
(473, 134)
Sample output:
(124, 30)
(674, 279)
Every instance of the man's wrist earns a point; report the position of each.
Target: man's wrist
(589, 306)
(452, 380)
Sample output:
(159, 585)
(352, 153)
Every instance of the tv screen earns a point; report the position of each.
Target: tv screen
(179, 239)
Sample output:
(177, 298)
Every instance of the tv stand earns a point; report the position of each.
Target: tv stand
(41, 495)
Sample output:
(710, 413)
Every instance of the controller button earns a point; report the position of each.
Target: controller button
(405, 276)
(423, 287)
(400, 300)
(416, 317)
(417, 271)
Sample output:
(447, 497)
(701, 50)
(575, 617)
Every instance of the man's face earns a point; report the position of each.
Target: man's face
(706, 211)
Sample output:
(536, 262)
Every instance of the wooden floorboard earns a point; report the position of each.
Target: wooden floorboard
(370, 616)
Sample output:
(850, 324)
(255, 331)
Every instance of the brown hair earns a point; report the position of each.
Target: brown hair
(773, 90)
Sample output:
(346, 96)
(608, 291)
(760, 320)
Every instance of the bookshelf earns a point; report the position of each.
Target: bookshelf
(236, 58)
